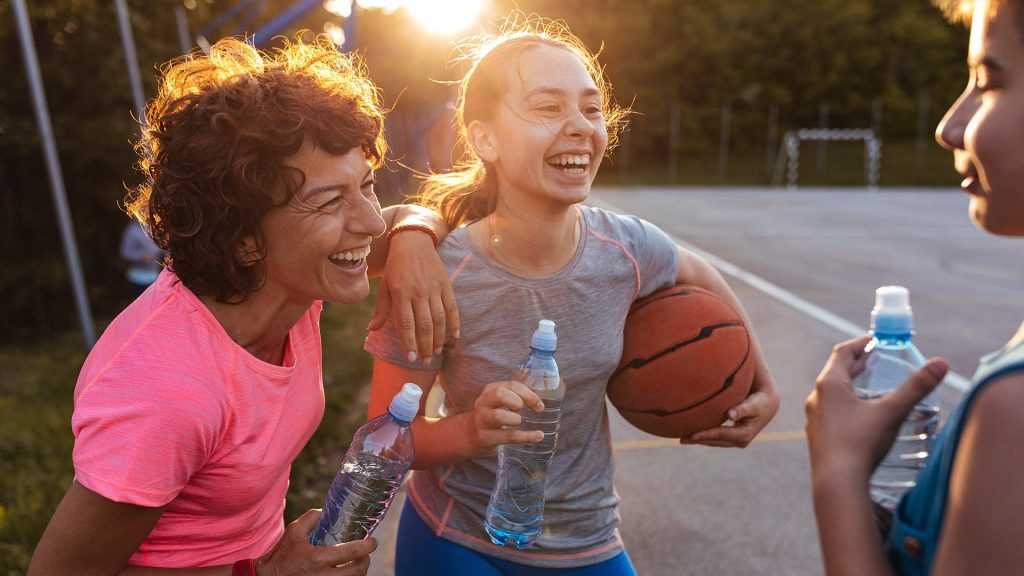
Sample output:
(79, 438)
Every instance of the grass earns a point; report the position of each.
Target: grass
(36, 387)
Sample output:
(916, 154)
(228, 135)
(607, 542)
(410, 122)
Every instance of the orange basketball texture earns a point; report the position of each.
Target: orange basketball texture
(685, 362)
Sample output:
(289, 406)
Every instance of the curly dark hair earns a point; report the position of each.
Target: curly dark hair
(214, 146)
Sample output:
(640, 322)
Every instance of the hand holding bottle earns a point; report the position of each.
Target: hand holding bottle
(848, 436)
(293, 553)
(496, 414)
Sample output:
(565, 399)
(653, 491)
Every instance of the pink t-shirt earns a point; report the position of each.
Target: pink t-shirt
(170, 411)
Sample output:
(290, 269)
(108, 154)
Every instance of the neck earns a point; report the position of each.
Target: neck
(530, 243)
(259, 325)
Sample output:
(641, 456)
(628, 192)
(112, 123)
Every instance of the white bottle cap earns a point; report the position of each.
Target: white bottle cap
(544, 337)
(406, 404)
(892, 313)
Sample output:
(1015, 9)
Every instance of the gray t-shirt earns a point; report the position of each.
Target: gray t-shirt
(619, 259)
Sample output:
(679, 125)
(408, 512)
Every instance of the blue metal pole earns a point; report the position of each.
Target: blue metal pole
(284, 19)
(224, 17)
(128, 40)
(349, 28)
(67, 233)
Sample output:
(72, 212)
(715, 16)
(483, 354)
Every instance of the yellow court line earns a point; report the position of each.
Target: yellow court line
(666, 442)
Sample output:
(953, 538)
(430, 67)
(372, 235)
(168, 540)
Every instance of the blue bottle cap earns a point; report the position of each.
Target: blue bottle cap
(406, 404)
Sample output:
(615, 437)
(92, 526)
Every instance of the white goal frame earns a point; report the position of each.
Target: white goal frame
(791, 149)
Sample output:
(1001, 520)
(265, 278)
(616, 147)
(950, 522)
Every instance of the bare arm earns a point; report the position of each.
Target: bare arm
(760, 406)
(90, 534)
(455, 438)
(415, 285)
(982, 531)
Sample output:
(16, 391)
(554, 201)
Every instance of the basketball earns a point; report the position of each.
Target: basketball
(685, 362)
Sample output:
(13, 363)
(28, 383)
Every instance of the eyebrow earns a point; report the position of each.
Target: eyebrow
(560, 92)
(312, 192)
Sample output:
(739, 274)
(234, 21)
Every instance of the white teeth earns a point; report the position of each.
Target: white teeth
(354, 255)
(567, 160)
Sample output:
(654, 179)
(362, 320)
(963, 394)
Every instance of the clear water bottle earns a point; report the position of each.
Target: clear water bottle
(516, 509)
(892, 358)
(374, 466)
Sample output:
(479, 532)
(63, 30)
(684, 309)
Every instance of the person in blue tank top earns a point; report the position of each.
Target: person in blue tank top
(965, 514)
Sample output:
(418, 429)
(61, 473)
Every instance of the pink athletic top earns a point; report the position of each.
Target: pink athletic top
(170, 411)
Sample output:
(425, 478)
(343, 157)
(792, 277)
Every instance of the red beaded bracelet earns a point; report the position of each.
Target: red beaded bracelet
(245, 567)
(416, 227)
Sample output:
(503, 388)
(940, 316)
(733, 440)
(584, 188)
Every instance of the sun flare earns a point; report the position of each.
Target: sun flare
(444, 17)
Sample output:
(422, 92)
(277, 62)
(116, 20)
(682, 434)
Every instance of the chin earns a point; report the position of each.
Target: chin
(351, 295)
(987, 222)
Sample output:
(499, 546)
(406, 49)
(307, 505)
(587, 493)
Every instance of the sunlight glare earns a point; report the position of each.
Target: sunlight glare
(444, 17)
(387, 6)
(341, 8)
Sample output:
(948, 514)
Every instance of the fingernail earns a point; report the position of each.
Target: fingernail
(458, 334)
(411, 356)
(537, 437)
(938, 370)
(437, 351)
(426, 361)
(732, 415)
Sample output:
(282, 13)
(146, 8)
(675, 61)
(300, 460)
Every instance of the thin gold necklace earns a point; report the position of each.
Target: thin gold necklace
(495, 250)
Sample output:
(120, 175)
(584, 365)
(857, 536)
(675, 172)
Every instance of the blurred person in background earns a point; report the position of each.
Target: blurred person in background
(141, 257)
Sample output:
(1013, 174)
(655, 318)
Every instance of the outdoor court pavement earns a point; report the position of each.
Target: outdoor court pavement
(805, 263)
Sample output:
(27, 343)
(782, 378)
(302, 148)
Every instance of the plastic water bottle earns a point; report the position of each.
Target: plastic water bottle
(516, 509)
(893, 358)
(374, 466)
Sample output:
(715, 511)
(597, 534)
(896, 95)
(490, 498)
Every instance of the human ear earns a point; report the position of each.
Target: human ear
(483, 140)
(248, 252)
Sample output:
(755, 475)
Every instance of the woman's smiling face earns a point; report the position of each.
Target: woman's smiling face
(985, 127)
(548, 136)
(317, 243)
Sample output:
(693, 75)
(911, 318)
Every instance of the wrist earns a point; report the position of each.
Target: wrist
(411, 227)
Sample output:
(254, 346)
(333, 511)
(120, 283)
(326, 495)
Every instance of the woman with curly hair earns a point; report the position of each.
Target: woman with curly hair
(195, 401)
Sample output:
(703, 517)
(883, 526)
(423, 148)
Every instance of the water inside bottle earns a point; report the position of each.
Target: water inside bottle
(360, 501)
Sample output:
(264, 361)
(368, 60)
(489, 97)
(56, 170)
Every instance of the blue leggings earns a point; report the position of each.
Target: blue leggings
(419, 552)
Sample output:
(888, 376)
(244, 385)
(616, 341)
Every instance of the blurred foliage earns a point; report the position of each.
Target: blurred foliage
(36, 386)
(692, 55)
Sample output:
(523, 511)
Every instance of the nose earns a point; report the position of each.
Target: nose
(950, 131)
(366, 218)
(578, 125)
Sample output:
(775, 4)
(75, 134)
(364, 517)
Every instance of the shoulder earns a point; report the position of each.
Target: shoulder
(626, 228)
(982, 527)
(999, 407)
(160, 342)
(989, 444)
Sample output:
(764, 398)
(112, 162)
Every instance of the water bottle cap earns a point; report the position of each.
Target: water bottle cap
(406, 404)
(892, 314)
(544, 337)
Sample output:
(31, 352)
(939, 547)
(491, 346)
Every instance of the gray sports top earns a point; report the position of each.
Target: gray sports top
(619, 259)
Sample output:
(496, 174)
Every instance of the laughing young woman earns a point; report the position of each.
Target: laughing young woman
(536, 115)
